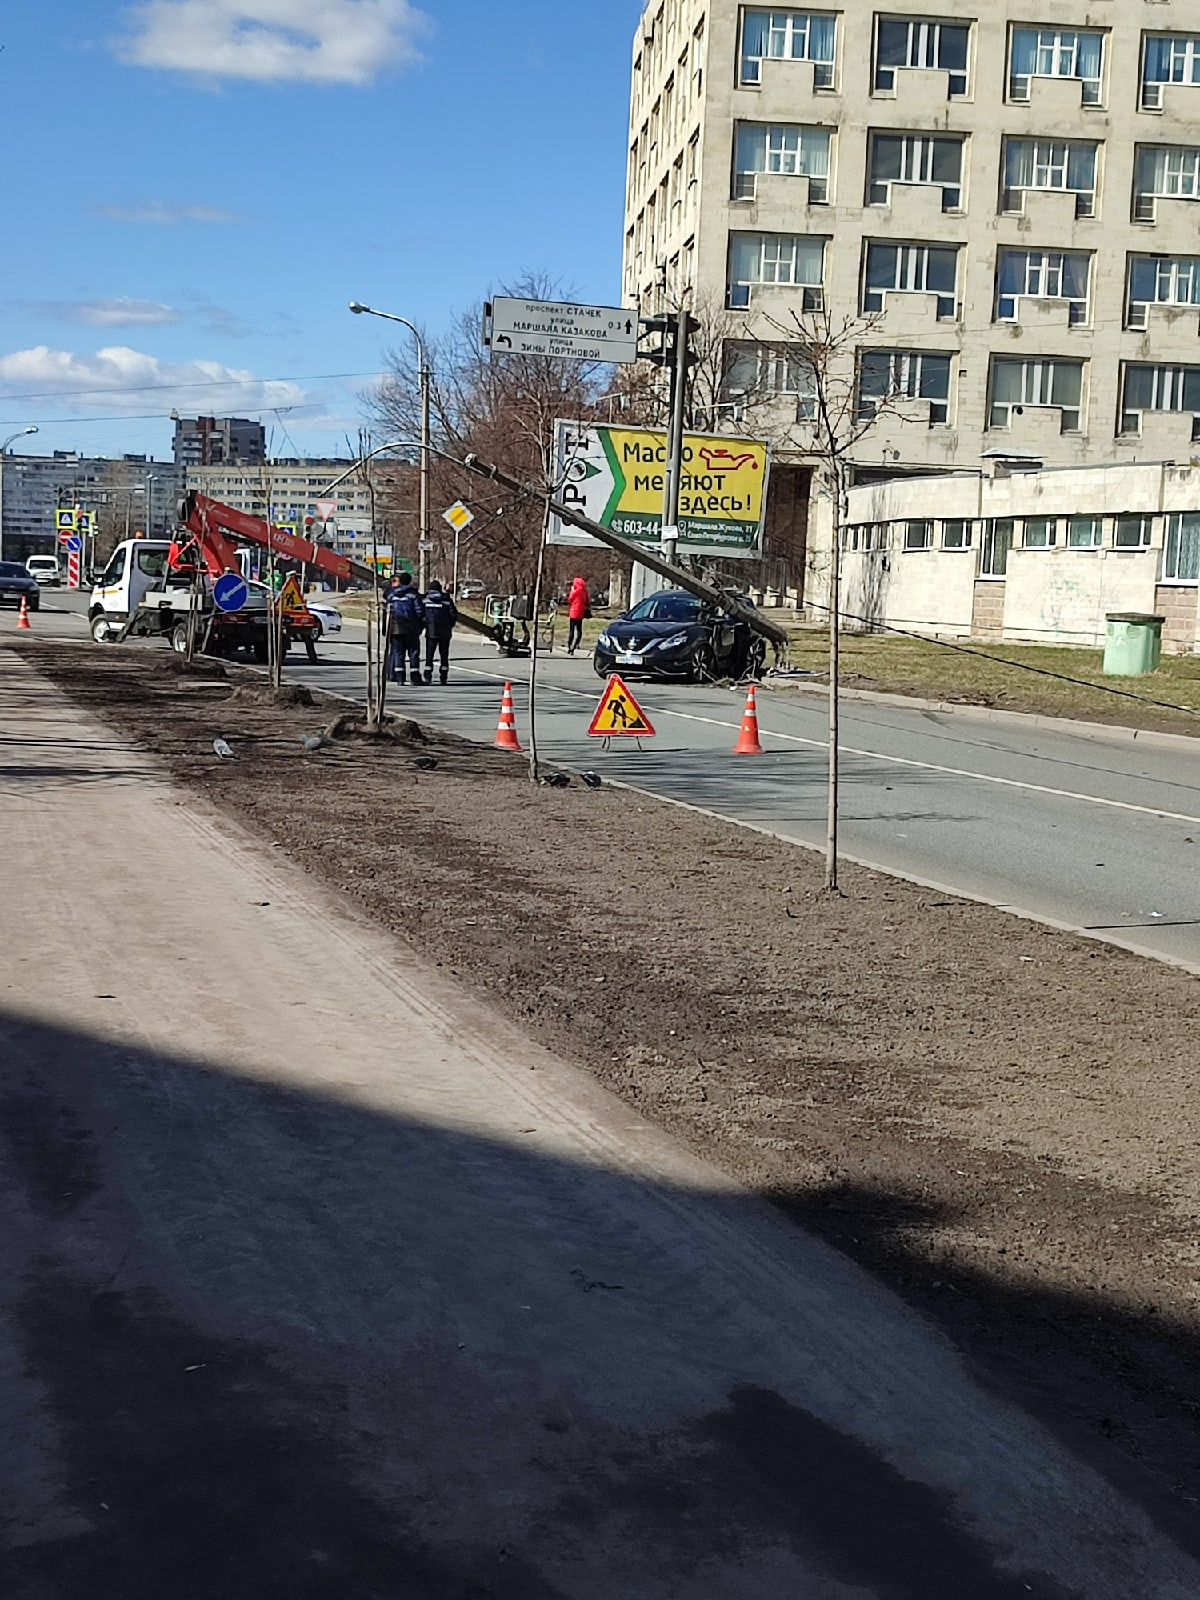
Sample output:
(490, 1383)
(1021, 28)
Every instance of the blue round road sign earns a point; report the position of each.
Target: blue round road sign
(230, 592)
(74, 544)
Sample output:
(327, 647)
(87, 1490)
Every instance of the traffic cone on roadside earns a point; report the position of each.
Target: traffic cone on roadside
(506, 733)
(23, 618)
(748, 742)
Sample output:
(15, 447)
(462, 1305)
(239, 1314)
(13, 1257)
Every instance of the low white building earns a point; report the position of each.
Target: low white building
(1040, 556)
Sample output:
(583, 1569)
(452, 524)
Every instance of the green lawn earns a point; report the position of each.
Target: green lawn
(932, 671)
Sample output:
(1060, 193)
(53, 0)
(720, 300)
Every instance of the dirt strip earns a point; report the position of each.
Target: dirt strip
(1000, 1121)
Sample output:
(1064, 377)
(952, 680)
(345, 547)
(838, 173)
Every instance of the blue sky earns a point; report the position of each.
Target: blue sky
(194, 189)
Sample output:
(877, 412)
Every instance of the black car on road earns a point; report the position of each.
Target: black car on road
(15, 584)
(673, 634)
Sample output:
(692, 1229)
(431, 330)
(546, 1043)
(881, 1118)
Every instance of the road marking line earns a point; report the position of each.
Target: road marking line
(897, 761)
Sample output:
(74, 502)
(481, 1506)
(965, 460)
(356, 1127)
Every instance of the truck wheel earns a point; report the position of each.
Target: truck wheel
(102, 629)
(179, 638)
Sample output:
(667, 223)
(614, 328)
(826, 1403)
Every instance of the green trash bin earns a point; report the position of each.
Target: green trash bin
(1134, 645)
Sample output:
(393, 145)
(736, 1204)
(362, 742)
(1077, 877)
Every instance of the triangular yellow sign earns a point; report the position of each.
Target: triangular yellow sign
(290, 598)
(619, 713)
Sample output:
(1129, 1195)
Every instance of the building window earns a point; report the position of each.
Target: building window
(1042, 275)
(776, 260)
(911, 269)
(1084, 533)
(1181, 548)
(789, 36)
(915, 158)
(1160, 281)
(1169, 58)
(865, 538)
(1164, 172)
(1040, 533)
(933, 46)
(768, 372)
(956, 533)
(1132, 532)
(994, 547)
(918, 534)
(1042, 383)
(886, 375)
(1148, 388)
(1060, 166)
(792, 151)
(1056, 53)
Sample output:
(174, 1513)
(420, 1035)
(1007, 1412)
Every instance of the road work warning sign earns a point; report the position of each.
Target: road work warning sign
(619, 714)
(290, 598)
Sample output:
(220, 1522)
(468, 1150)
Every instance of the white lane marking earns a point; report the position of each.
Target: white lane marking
(896, 761)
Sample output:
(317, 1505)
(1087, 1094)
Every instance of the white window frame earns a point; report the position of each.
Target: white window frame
(1179, 181)
(1179, 275)
(1039, 533)
(1044, 270)
(1075, 527)
(780, 372)
(1052, 160)
(995, 552)
(912, 275)
(918, 534)
(1168, 394)
(1037, 387)
(1173, 550)
(1184, 51)
(918, 152)
(1144, 530)
(1057, 56)
(967, 527)
(785, 156)
(906, 372)
(773, 258)
(788, 27)
(924, 49)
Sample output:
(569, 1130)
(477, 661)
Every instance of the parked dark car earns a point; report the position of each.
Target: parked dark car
(15, 582)
(673, 634)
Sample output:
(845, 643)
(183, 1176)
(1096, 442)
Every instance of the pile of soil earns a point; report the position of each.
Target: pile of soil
(999, 1120)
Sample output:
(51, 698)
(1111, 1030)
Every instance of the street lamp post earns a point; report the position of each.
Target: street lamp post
(20, 433)
(423, 548)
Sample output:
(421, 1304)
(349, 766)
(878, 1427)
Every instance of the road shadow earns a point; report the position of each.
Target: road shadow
(276, 1344)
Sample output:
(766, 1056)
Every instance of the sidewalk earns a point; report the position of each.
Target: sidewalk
(320, 1279)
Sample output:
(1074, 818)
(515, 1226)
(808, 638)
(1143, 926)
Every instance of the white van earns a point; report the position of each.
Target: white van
(46, 570)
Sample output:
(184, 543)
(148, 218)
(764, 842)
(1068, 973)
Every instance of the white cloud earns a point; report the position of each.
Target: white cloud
(270, 41)
(131, 381)
(118, 311)
(156, 211)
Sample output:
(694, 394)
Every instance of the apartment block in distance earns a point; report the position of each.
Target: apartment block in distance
(218, 441)
(1008, 195)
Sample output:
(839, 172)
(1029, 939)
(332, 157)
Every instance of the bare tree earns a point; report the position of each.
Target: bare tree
(840, 410)
(504, 408)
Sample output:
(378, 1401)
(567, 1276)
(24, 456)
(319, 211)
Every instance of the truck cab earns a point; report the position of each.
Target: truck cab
(135, 567)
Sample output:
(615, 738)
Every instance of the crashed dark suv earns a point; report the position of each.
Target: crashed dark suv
(672, 634)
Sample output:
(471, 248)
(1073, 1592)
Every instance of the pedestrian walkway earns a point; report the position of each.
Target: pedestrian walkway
(319, 1277)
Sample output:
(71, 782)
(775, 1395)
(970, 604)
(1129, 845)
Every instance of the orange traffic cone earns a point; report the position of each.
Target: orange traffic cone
(748, 741)
(23, 618)
(506, 733)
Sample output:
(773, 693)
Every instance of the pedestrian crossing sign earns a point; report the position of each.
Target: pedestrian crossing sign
(619, 714)
(290, 598)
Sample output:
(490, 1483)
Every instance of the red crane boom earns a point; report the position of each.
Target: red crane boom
(214, 527)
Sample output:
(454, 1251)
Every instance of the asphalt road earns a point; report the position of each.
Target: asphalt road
(318, 1280)
(1095, 830)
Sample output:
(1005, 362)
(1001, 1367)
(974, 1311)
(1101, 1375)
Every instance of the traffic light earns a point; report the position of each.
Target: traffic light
(663, 333)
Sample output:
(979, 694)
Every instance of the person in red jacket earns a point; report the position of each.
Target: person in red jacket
(578, 606)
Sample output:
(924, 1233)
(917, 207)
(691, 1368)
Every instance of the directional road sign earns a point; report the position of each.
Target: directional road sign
(459, 516)
(557, 328)
(230, 592)
(73, 543)
(614, 476)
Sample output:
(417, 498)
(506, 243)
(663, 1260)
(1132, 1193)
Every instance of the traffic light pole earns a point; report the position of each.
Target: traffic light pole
(673, 477)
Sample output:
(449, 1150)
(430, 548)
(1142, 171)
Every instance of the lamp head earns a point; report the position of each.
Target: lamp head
(357, 307)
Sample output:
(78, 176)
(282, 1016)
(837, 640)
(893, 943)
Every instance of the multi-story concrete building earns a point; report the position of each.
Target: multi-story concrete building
(128, 494)
(294, 487)
(218, 441)
(1004, 196)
